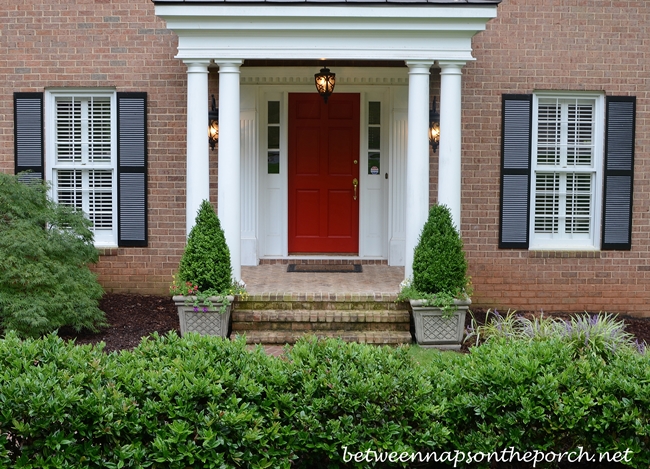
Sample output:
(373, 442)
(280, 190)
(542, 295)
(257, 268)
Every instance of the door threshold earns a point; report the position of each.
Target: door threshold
(322, 259)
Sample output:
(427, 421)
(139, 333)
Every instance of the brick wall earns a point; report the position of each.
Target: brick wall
(554, 45)
(108, 43)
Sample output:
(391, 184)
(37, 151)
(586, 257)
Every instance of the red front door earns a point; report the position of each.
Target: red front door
(323, 170)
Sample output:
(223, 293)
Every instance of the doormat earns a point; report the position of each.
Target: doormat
(325, 268)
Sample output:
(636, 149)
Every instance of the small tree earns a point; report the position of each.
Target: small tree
(439, 264)
(45, 250)
(206, 260)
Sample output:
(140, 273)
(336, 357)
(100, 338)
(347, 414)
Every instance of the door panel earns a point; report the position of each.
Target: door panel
(323, 148)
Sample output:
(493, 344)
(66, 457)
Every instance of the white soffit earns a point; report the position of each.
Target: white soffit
(389, 32)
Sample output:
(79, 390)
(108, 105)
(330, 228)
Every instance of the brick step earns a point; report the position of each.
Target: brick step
(239, 327)
(319, 320)
(290, 337)
(320, 316)
(317, 301)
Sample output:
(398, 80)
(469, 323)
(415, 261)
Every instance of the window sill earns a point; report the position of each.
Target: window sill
(560, 254)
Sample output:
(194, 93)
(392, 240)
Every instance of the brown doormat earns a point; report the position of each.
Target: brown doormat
(329, 268)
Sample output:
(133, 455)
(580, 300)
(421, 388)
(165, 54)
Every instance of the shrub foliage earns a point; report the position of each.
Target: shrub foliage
(45, 250)
(206, 260)
(439, 264)
(205, 402)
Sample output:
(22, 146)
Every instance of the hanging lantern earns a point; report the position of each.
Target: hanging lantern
(213, 124)
(434, 127)
(325, 81)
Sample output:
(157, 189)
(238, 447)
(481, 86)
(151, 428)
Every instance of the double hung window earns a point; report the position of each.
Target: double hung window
(84, 159)
(565, 171)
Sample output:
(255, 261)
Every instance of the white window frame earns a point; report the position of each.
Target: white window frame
(104, 238)
(568, 241)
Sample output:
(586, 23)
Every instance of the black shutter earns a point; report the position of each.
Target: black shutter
(28, 134)
(517, 111)
(132, 169)
(619, 172)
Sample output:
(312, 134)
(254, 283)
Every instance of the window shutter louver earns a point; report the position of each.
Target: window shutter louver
(28, 134)
(619, 172)
(132, 169)
(515, 170)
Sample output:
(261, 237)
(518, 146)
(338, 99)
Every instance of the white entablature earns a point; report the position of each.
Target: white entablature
(315, 31)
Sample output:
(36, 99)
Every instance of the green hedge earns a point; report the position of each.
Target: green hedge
(209, 403)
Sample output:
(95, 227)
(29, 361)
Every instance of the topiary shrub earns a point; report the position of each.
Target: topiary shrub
(439, 264)
(45, 250)
(206, 260)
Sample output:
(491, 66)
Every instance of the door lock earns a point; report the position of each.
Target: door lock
(355, 183)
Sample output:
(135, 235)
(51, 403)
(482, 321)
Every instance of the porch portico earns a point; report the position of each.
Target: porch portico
(421, 35)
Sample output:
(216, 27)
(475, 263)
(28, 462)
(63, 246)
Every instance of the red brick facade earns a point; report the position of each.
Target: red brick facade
(554, 45)
(595, 45)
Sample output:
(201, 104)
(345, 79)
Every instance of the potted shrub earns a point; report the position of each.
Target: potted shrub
(439, 289)
(203, 289)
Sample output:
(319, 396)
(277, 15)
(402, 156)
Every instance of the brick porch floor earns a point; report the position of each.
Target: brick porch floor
(275, 279)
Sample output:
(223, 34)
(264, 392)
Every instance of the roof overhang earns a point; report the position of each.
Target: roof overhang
(306, 31)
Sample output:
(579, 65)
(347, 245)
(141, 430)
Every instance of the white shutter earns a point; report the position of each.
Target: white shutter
(548, 134)
(580, 134)
(547, 202)
(578, 202)
(68, 130)
(69, 188)
(100, 199)
(99, 130)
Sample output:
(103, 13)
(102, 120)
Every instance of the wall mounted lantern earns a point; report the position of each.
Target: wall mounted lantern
(213, 124)
(325, 81)
(434, 127)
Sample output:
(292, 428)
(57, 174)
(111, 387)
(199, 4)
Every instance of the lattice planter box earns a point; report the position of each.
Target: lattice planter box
(210, 322)
(433, 329)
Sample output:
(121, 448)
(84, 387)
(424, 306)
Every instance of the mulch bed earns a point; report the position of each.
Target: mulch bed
(134, 316)
(131, 317)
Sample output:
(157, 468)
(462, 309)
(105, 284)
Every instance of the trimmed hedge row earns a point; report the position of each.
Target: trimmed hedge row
(208, 403)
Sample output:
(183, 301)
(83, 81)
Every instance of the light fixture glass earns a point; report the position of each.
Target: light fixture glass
(434, 127)
(325, 81)
(213, 124)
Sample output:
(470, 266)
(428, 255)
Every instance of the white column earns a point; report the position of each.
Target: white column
(198, 164)
(417, 157)
(449, 178)
(229, 193)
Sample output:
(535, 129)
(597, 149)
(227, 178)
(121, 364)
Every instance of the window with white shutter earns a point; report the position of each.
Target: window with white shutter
(566, 167)
(83, 157)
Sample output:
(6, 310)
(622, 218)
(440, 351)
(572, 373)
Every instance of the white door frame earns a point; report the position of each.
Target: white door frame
(372, 84)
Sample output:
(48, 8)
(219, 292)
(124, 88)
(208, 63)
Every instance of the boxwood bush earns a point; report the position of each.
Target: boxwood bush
(206, 260)
(439, 264)
(205, 402)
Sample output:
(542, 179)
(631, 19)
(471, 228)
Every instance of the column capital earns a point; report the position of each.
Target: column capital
(229, 65)
(197, 65)
(419, 66)
(448, 67)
